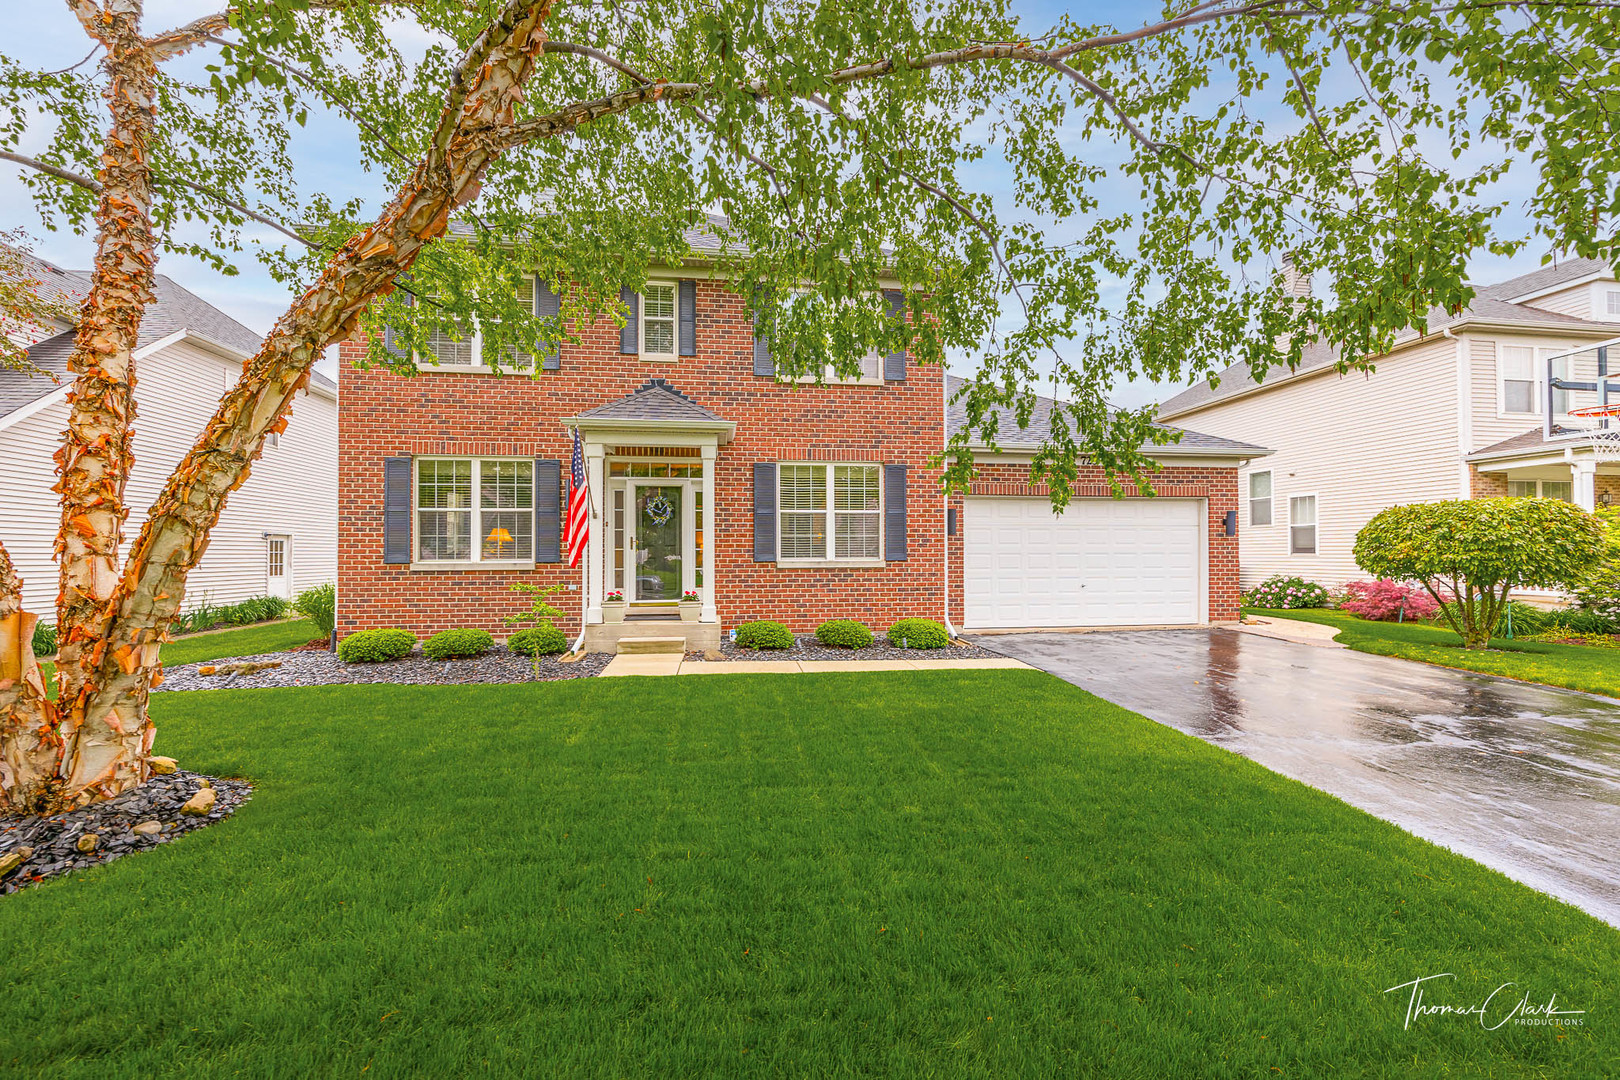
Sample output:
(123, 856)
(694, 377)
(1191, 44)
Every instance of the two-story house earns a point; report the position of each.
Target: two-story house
(768, 497)
(1458, 412)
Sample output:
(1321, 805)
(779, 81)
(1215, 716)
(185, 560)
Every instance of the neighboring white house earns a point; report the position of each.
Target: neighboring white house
(1456, 413)
(278, 532)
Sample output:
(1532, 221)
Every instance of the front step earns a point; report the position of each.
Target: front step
(651, 645)
(694, 636)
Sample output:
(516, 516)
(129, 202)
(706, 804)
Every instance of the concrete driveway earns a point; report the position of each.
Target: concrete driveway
(1525, 779)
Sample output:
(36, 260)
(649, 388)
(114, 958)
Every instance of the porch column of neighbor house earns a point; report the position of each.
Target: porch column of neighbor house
(1585, 484)
(709, 612)
(597, 546)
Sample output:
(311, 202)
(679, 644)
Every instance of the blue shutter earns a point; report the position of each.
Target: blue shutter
(686, 318)
(894, 365)
(894, 513)
(397, 510)
(547, 510)
(398, 350)
(764, 366)
(764, 511)
(629, 337)
(546, 305)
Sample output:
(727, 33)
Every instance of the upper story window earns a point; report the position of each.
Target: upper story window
(474, 510)
(462, 346)
(1614, 302)
(658, 321)
(1516, 372)
(1260, 498)
(1302, 525)
(829, 512)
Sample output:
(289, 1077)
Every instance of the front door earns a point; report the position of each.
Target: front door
(656, 541)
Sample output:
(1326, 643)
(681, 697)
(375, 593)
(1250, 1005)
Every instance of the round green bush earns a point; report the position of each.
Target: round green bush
(450, 644)
(538, 641)
(764, 634)
(375, 646)
(844, 633)
(918, 634)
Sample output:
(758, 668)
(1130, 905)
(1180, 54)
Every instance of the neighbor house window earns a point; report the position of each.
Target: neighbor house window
(453, 524)
(658, 321)
(1614, 302)
(1260, 498)
(1517, 368)
(1302, 525)
(829, 512)
(1563, 490)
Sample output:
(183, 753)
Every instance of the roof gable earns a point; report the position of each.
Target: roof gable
(655, 401)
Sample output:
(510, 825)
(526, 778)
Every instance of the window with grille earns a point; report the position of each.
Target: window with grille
(658, 321)
(453, 526)
(462, 345)
(829, 512)
(276, 557)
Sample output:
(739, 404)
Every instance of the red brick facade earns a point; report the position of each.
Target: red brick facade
(1217, 485)
(448, 412)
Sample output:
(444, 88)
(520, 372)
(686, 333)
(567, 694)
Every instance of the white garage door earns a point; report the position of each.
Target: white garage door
(1103, 562)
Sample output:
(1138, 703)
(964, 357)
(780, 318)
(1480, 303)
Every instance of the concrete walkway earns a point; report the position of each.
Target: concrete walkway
(1306, 633)
(676, 664)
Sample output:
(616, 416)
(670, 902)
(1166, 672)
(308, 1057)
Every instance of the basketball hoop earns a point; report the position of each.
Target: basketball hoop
(1601, 425)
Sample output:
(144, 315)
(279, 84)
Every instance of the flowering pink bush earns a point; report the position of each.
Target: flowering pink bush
(1381, 601)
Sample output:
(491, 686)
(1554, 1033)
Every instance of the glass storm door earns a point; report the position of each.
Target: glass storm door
(656, 542)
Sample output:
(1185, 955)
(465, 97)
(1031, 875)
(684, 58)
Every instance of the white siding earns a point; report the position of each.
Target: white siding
(292, 489)
(1579, 301)
(1489, 424)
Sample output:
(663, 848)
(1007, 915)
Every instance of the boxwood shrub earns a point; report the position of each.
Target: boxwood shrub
(375, 646)
(538, 641)
(844, 633)
(449, 644)
(764, 634)
(918, 634)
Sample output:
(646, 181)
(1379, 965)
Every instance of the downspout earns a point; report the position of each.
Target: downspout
(944, 426)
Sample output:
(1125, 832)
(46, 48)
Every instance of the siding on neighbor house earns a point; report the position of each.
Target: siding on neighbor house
(292, 489)
(1487, 423)
(1579, 301)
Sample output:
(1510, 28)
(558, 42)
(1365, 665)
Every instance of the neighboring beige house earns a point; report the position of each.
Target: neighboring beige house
(1457, 413)
(278, 532)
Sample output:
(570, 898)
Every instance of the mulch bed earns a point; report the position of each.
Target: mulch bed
(806, 647)
(321, 668)
(55, 839)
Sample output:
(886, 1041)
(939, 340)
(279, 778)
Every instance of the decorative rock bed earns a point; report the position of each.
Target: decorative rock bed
(806, 647)
(325, 669)
(137, 820)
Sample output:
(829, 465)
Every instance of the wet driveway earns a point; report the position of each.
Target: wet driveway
(1525, 779)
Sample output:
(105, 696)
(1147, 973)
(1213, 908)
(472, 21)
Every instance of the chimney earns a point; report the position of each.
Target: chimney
(1297, 283)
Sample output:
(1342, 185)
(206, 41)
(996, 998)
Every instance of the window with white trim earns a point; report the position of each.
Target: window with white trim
(454, 526)
(829, 512)
(658, 321)
(1260, 498)
(1562, 490)
(1302, 525)
(1516, 373)
(1614, 302)
(868, 368)
(463, 347)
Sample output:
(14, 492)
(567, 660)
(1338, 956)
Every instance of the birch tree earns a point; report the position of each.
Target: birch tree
(1157, 170)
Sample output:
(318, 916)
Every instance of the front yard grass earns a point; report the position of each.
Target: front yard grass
(954, 873)
(218, 644)
(1578, 667)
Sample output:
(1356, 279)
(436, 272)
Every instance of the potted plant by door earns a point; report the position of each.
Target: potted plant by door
(690, 605)
(613, 607)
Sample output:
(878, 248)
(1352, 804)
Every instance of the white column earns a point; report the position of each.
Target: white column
(1585, 483)
(709, 612)
(600, 542)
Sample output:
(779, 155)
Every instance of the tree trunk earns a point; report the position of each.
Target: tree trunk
(29, 744)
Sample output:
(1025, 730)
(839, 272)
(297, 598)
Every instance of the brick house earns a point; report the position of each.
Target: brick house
(770, 498)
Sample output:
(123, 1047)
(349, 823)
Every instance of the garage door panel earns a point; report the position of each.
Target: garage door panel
(1104, 562)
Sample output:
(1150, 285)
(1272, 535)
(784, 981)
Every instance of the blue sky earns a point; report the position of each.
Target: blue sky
(46, 35)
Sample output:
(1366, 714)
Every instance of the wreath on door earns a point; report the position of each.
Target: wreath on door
(660, 510)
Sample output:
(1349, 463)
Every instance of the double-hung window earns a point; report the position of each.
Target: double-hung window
(658, 321)
(1613, 308)
(1517, 371)
(462, 345)
(474, 510)
(1260, 498)
(1563, 490)
(829, 512)
(1302, 525)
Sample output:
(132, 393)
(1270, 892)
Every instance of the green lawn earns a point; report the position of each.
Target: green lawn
(1579, 667)
(948, 874)
(269, 637)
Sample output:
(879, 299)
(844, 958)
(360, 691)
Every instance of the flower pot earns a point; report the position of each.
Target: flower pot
(690, 610)
(613, 611)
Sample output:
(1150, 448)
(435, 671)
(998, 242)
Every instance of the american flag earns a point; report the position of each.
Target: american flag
(579, 515)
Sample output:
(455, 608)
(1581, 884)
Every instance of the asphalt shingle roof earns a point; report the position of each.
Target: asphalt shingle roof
(18, 388)
(657, 401)
(1009, 436)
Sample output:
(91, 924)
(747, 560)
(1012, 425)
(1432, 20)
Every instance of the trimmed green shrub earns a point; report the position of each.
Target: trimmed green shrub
(844, 634)
(1597, 595)
(538, 641)
(1288, 593)
(918, 634)
(44, 638)
(318, 604)
(375, 646)
(764, 634)
(450, 644)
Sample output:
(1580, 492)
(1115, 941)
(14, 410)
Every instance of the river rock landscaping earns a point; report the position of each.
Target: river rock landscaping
(806, 647)
(324, 669)
(35, 848)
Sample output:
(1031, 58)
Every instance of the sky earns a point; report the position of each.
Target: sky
(45, 35)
